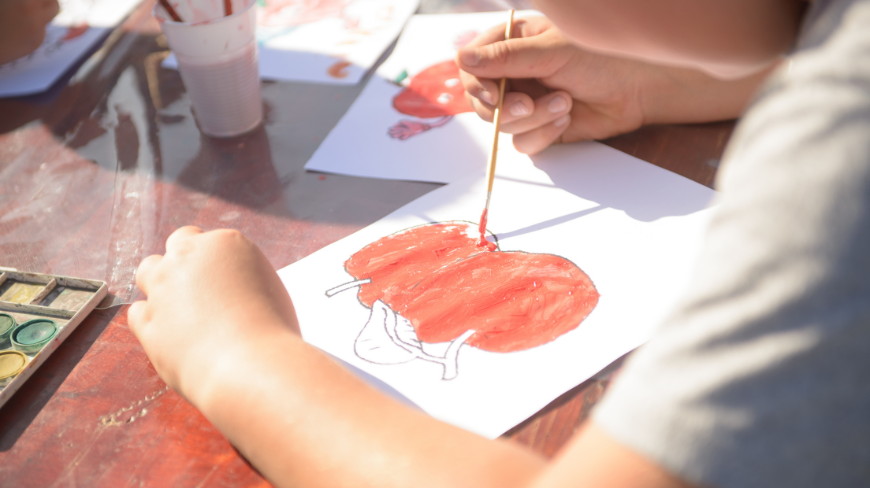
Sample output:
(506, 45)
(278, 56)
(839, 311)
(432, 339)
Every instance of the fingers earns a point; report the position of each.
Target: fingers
(535, 116)
(146, 271)
(535, 141)
(489, 36)
(521, 114)
(482, 94)
(541, 136)
(534, 123)
(177, 242)
(522, 57)
(137, 317)
(179, 238)
(481, 65)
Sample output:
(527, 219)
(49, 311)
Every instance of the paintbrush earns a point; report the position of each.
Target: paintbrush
(493, 153)
(170, 11)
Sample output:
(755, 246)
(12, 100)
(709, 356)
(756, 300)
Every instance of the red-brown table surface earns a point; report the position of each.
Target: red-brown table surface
(96, 172)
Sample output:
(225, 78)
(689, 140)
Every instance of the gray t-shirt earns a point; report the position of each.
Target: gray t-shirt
(761, 376)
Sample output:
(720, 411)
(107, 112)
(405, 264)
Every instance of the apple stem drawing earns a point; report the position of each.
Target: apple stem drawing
(433, 288)
(346, 286)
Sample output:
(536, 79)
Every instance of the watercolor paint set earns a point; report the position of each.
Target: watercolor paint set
(37, 313)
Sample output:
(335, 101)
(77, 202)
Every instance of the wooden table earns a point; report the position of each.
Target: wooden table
(95, 173)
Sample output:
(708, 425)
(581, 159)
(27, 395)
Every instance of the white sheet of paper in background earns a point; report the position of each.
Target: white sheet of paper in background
(631, 226)
(330, 41)
(422, 147)
(77, 29)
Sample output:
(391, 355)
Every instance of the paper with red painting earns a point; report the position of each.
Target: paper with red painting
(321, 41)
(78, 29)
(585, 250)
(412, 121)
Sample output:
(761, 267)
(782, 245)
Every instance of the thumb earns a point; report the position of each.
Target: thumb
(524, 57)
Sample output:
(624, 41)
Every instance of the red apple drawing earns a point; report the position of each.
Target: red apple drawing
(434, 93)
(434, 287)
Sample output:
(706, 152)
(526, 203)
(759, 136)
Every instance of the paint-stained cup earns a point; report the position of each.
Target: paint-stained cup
(217, 59)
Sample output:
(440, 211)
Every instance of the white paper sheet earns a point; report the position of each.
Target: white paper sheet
(376, 139)
(79, 27)
(328, 41)
(631, 226)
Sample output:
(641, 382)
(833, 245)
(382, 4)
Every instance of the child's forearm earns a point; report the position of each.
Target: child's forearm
(726, 38)
(677, 95)
(304, 420)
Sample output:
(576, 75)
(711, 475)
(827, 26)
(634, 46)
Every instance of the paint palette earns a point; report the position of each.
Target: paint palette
(37, 312)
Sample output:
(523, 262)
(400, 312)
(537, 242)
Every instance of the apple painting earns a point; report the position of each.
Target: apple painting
(435, 95)
(433, 288)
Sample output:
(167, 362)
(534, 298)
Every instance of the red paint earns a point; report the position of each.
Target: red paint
(75, 31)
(482, 228)
(228, 7)
(338, 69)
(446, 281)
(395, 262)
(433, 92)
(513, 300)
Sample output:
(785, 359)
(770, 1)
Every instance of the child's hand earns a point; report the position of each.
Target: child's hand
(210, 300)
(559, 92)
(22, 26)
(556, 91)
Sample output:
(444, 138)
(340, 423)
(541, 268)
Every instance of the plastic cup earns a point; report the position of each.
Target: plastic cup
(217, 59)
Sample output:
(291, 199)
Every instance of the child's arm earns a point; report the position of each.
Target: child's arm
(726, 38)
(22, 26)
(220, 329)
